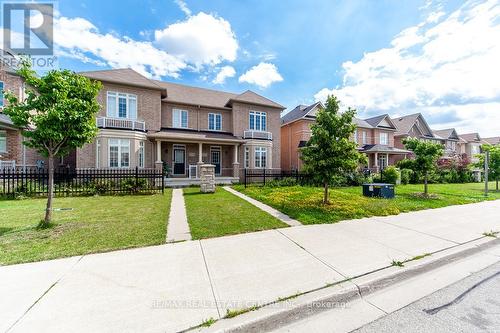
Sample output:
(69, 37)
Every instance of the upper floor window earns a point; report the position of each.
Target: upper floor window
(120, 105)
(179, 118)
(356, 135)
(214, 121)
(1, 94)
(119, 153)
(363, 134)
(384, 138)
(3, 141)
(257, 121)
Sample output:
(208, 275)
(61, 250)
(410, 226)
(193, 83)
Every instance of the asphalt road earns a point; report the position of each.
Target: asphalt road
(470, 305)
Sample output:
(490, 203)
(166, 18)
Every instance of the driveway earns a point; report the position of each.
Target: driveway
(173, 287)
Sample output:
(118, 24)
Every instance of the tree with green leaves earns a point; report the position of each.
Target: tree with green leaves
(57, 116)
(330, 151)
(493, 162)
(426, 156)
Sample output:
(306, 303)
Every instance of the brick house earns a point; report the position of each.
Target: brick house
(145, 123)
(374, 137)
(13, 153)
(450, 141)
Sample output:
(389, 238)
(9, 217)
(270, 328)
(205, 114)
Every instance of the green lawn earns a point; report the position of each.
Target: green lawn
(222, 213)
(96, 224)
(304, 203)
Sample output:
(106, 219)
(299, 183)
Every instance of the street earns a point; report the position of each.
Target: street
(470, 305)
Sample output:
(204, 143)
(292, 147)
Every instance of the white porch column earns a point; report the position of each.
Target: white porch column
(158, 151)
(236, 164)
(200, 152)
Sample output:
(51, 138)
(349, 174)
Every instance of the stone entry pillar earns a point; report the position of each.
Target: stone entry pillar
(207, 178)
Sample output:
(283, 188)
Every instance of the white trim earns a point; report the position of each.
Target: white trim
(181, 111)
(141, 154)
(3, 134)
(215, 121)
(260, 150)
(120, 145)
(261, 115)
(219, 149)
(128, 98)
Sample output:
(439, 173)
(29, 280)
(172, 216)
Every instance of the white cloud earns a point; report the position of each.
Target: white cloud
(202, 39)
(224, 73)
(444, 63)
(262, 75)
(80, 39)
(183, 6)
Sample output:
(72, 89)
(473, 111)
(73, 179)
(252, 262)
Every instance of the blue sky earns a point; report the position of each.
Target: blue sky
(398, 57)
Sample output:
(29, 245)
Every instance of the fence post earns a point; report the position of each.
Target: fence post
(245, 177)
(264, 177)
(297, 176)
(162, 180)
(136, 177)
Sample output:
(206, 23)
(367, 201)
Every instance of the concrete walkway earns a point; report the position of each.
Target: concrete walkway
(178, 227)
(268, 209)
(172, 287)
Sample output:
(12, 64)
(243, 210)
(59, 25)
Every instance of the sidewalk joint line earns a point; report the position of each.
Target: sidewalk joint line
(210, 279)
(41, 296)
(421, 232)
(312, 255)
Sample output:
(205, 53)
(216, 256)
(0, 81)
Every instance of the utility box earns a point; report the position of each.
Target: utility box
(380, 190)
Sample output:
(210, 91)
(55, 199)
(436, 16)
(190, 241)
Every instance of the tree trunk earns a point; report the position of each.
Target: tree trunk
(48, 211)
(426, 190)
(497, 184)
(325, 195)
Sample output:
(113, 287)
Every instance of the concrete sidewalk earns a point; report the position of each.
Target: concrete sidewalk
(172, 287)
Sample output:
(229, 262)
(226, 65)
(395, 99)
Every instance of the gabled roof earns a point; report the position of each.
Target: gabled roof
(470, 137)
(300, 111)
(362, 123)
(378, 148)
(123, 76)
(446, 134)
(382, 121)
(6, 121)
(494, 140)
(179, 93)
(254, 98)
(405, 123)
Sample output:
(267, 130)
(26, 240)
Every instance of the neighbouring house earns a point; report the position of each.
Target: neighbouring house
(374, 136)
(494, 140)
(470, 144)
(13, 153)
(148, 123)
(450, 141)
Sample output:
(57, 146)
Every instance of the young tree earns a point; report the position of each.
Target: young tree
(493, 162)
(57, 116)
(426, 156)
(329, 151)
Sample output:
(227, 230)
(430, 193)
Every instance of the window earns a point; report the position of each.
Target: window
(356, 135)
(1, 95)
(141, 154)
(3, 141)
(98, 153)
(214, 121)
(453, 145)
(260, 157)
(257, 121)
(180, 118)
(247, 157)
(384, 138)
(121, 105)
(364, 137)
(119, 153)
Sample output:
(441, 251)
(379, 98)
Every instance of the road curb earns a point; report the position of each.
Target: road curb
(274, 315)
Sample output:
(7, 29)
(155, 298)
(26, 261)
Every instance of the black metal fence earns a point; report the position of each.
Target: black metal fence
(68, 182)
(263, 176)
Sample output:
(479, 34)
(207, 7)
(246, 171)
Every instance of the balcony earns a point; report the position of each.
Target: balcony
(257, 135)
(121, 123)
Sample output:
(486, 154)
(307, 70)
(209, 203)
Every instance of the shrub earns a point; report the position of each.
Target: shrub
(406, 175)
(289, 181)
(29, 188)
(358, 178)
(101, 186)
(134, 185)
(390, 175)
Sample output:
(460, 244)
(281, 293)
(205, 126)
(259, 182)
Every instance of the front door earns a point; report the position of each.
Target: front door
(179, 161)
(215, 159)
(382, 161)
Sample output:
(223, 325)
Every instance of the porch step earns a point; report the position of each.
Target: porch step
(186, 182)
